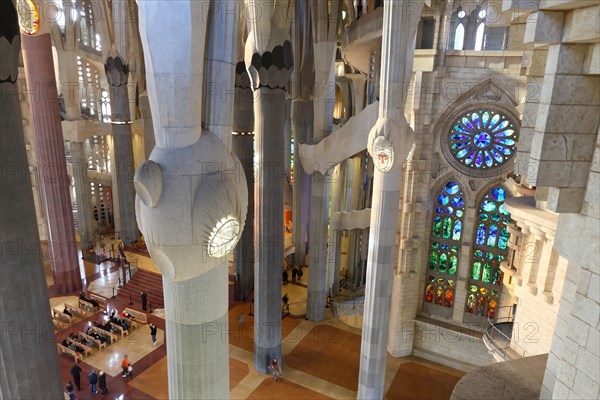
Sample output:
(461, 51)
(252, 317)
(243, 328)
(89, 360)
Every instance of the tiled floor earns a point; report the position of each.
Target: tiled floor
(320, 361)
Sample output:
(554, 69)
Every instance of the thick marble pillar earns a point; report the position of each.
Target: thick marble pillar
(389, 144)
(51, 162)
(82, 193)
(269, 69)
(117, 75)
(243, 148)
(191, 203)
(28, 345)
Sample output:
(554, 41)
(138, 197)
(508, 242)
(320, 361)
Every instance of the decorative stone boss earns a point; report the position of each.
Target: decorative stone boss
(191, 206)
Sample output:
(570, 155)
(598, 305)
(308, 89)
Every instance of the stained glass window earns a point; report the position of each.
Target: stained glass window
(490, 247)
(482, 139)
(446, 235)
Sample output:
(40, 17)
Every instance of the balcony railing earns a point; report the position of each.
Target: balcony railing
(498, 335)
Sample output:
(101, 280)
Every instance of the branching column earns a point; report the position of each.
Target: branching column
(389, 144)
(28, 345)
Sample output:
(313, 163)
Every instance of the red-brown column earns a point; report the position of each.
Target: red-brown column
(51, 164)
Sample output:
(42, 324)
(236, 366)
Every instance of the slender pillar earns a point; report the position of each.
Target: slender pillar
(335, 237)
(28, 345)
(269, 125)
(84, 208)
(117, 75)
(389, 144)
(243, 147)
(324, 44)
(149, 141)
(51, 163)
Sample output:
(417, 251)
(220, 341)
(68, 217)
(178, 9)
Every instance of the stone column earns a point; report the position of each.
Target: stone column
(269, 70)
(191, 204)
(356, 189)
(243, 147)
(51, 163)
(82, 192)
(28, 345)
(335, 238)
(117, 75)
(389, 144)
(149, 141)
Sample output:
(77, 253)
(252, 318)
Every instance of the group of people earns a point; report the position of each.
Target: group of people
(94, 379)
(117, 319)
(90, 300)
(296, 275)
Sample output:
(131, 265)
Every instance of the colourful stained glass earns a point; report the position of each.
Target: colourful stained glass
(429, 293)
(478, 253)
(453, 265)
(503, 210)
(443, 199)
(435, 245)
(488, 206)
(480, 307)
(449, 210)
(483, 217)
(498, 194)
(496, 217)
(443, 262)
(444, 246)
(459, 213)
(483, 139)
(447, 228)
(458, 202)
(452, 188)
(503, 241)
(480, 239)
(456, 232)
(437, 226)
(438, 295)
(476, 270)
(487, 273)
(433, 260)
(449, 297)
(492, 308)
(492, 235)
(471, 301)
(439, 210)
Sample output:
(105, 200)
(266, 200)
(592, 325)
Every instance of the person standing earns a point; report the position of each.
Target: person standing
(144, 297)
(76, 374)
(300, 273)
(125, 366)
(294, 273)
(153, 330)
(93, 379)
(102, 382)
(285, 277)
(70, 391)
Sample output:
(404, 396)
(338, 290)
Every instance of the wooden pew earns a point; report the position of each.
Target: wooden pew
(93, 339)
(132, 324)
(56, 313)
(87, 306)
(86, 349)
(63, 349)
(138, 316)
(101, 300)
(120, 329)
(74, 310)
(112, 336)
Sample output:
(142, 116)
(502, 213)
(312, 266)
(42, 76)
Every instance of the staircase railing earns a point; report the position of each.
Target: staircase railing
(500, 340)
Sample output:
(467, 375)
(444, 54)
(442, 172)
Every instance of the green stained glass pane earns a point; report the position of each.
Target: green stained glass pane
(489, 255)
(483, 216)
(443, 262)
(506, 221)
(456, 232)
(454, 249)
(503, 210)
(496, 217)
(473, 288)
(433, 259)
(447, 228)
(487, 272)
(499, 258)
(435, 245)
(478, 253)
(459, 213)
(488, 206)
(453, 265)
(503, 240)
(476, 270)
(437, 226)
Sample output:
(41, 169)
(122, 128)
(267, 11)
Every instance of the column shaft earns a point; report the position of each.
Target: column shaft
(51, 163)
(28, 345)
(269, 121)
(82, 192)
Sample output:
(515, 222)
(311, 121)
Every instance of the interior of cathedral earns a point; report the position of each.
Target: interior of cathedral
(300, 199)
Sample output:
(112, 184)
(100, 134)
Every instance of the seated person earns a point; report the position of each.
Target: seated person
(66, 311)
(124, 325)
(82, 296)
(65, 343)
(107, 327)
(93, 302)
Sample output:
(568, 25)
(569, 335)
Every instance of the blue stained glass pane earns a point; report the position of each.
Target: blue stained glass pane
(478, 253)
(503, 241)
(447, 228)
(459, 213)
(505, 133)
(487, 273)
(501, 126)
(506, 221)
(492, 235)
(475, 118)
(458, 202)
(463, 152)
(482, 139)
(443, 199)
(467, 123)
(489, 255)
(479, 160)
(444, 246)
(453, 265)
(495, 279)
(460, 129)
(503, 210)
(498, 194)
(480, 234)
(457, 146)
(506, 142)
(449, 210)
(485, 117)
(503, 150)
(456, 232)
(439, 210)
(495, 120)
(483, 217)
(471, 156)
(443, 262)
(488, 206)
(489, 161)
(452, 187)
(459, 137)
(496, 217)
(476, 270)
(496, 155)
(437, 226)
